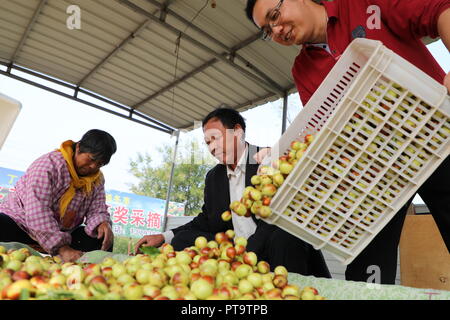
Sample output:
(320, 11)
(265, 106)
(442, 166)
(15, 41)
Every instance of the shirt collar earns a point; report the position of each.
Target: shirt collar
(240, 167)
(332, 9)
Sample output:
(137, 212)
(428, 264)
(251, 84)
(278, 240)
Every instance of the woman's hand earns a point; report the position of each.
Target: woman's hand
(104, 231)
(68, 254)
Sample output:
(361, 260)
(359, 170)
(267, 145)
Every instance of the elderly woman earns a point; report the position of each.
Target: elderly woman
(59, 192)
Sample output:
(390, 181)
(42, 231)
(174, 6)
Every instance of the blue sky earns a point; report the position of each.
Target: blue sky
(47, 119)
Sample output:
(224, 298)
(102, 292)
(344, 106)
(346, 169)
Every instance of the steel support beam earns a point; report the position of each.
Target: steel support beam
(260, 99)
(255, 102)
(113, 53)
(230, 51)
(151, 122)
(27, 31)
(192, 73)
(285, 106)
(198, 44)
(177, 82)
(116, 50)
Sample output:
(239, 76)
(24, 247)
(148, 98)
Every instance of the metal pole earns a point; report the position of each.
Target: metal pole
(285, 106)
(169, 189)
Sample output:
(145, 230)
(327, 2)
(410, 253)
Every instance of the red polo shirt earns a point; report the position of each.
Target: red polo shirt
(402, 25)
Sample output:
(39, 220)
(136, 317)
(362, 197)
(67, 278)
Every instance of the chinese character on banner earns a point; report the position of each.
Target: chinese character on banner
(137, 218)
(118, 230)
(154, 220)
(117, 198)
(120, 215)
(108, 197)
(126, 201)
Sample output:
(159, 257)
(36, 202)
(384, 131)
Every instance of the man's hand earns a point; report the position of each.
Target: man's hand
(443, 25)
(261, 154)
(154, 240)
(447, 82)
(104, 231)
(68, 254)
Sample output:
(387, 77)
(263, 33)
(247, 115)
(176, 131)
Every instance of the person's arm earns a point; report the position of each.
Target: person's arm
(98, 220)
(154, 240)
(419, 19)
(415, 17)
(444, 33)
(200, 222)
(444, 27)
(37, 201)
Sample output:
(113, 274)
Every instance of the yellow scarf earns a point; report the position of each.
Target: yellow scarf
(86, 183)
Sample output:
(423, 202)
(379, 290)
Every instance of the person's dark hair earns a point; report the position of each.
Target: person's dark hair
(229, 118)
(99, 143)
(251, 5)
(249, 9)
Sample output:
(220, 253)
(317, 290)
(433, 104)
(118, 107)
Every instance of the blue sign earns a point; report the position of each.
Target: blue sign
(132, 215)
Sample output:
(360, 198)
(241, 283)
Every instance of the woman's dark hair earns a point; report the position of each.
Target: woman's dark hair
(99, 143)
(229, 118)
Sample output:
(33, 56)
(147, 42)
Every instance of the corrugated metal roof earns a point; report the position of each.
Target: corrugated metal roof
(125, 51)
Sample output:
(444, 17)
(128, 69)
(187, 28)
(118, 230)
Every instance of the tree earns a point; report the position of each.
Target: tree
(293, 108)
(192, 164)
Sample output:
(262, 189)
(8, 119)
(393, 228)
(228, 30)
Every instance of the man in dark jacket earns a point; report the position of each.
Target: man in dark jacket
(224, 133)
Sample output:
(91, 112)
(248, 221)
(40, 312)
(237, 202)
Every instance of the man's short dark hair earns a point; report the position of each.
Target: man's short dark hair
(99, 143)
(229, 118)
(251, 5)
(249, 9)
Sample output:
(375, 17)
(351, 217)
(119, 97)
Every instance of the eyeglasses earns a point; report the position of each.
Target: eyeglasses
(273, 19)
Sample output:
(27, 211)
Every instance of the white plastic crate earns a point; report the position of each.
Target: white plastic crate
(9, 110)
(381, 127)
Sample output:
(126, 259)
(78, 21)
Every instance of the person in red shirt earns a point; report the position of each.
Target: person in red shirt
(324, 29)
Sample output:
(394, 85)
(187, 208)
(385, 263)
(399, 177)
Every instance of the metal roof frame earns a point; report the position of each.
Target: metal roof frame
(260, 74)
(227, 55)
(222, 57)
(231, 53)
(27, 31)
(146, 121)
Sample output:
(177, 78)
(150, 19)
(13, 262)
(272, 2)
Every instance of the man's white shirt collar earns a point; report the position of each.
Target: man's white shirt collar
(240, 165)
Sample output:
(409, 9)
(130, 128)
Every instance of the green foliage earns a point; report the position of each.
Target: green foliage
(192, 164)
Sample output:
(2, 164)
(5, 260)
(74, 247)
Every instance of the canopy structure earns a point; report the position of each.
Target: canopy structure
(163, 63)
